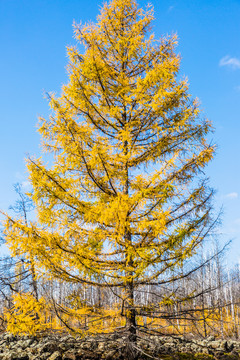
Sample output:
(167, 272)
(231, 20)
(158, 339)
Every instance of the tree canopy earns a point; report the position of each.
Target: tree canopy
(125, 200)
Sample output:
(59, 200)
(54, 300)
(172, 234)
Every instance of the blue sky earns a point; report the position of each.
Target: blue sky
(34, 35)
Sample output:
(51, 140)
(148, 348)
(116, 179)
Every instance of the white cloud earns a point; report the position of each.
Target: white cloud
(26, 184)
(171, 8)
(21, 180)
(19, 176)
(231, 62)
(233, 195)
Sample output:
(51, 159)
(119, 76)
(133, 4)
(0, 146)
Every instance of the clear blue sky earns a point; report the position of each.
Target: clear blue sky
(33, 37)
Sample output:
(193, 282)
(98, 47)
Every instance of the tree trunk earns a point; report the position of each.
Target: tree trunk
(130, 313)
(129, 290)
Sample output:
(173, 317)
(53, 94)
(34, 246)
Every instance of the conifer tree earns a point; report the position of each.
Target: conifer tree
(125, 201)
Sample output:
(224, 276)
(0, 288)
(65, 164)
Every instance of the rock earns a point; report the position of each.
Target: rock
(79, 354)
(69, 355)
(112, 347)
(55, 356)
(48, 347)
(215, 344)
(12, 355)
(211, 338)
(20, 357)
(9, 337)
(110, 354)
(64, 347)
(101, 346)
(43, 356)
(28, 342)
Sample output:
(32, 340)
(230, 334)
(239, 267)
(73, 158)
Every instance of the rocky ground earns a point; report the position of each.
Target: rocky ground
(56, 347)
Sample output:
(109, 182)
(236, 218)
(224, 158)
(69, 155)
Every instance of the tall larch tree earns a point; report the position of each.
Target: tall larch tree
(125, 201)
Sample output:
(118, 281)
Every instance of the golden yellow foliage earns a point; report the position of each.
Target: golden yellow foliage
(27, 315)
